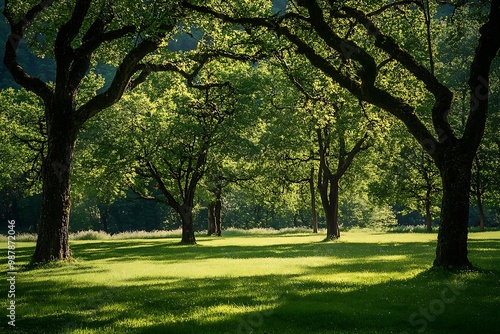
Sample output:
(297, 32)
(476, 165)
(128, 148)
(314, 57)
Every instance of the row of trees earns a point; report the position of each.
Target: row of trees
(273, 100)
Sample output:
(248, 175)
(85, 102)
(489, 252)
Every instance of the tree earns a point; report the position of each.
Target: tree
(354, 42)
(77, 38)
(22, 136)
(486, 170)
(340, 133)
(171, 127)
(409, 178)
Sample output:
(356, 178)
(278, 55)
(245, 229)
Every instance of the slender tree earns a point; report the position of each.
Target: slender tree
(334, 123)
(172, 126)
(408, 177)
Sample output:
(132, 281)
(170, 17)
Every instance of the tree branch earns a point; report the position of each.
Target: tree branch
(486, 51)
(168, 195)
(63, 50)
(443, 96)
(125, 71)
(393, 4)
(347, 161)
(17, 29)
(365, 91)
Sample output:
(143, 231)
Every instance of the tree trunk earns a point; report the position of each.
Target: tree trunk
(334, 202)
(331, 205)
(478, 193)
(481, 210)
(218, 217)
(451, 251)
(428, 215)
(211, 218)
(53, 228)
(104, 216)
(314, 214)
(186, 213)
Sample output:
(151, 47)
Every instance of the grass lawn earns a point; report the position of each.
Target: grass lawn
(295, 283)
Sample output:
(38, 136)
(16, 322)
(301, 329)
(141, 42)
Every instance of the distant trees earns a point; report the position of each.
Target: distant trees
(408, 177)
(337, 130)
(359, 46)
(169, 134)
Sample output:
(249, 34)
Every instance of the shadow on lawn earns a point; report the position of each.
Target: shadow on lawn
(268, 303)
(168, 251)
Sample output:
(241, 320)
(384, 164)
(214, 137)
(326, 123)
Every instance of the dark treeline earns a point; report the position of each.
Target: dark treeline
(132, 213)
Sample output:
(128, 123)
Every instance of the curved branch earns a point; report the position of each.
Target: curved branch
(373, 95)
(203, 59)
(64, 54)
(120, 82)
(394, 4)
(17, 29)
(487, 49)
(163, 188)
(443, 96)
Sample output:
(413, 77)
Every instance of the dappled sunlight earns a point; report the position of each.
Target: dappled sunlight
(222, 284)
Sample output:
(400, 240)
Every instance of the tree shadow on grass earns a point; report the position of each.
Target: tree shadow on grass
(293, 303)
(267, 304)
(157, 251)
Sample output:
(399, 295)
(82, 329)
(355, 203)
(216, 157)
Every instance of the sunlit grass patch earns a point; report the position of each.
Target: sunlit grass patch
(293, 283)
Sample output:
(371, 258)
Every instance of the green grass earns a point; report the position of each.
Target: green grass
(366, 282)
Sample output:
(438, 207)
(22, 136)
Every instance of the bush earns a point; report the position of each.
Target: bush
(147, 235)
(410, 229)
(231, 231)
(26, 237)
(89, 235)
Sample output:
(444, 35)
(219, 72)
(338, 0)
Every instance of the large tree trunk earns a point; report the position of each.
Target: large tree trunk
(186, 213)
(314, 214)
(451, 251)
(53, 228)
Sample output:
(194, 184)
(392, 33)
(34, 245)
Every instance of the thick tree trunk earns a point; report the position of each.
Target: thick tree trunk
(211, 218)
(314, 214)
(451, 252)
(218, 217)
(53, 228)
(186, 213)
